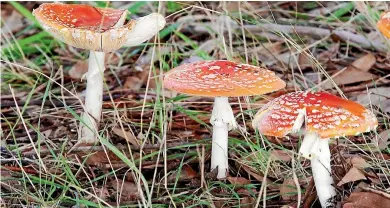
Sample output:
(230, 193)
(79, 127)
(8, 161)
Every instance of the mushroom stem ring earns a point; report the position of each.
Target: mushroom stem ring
(223, 121)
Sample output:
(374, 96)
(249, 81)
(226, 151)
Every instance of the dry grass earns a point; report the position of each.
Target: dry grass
(155, 144)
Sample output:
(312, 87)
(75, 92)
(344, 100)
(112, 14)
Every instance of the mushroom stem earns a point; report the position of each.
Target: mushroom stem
(223, 120)
(307, 144)
(317, 149)
(93, 98)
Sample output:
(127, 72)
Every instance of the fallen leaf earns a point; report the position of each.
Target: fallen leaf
(288, 58)
(100, 158)
(238, 180)
(280, 155)
(78, 69)
(305, 61)
(186, 174)
(383, 140)
(352, 175)
(378, 96)
(136, 81)
(13, 22)
(364, 63)
(356, 72)
(102, 193)
(359, 162)
(366, 200)
(128, 190)
(247, 202)
(8, 181)
(260, 178)
(126, 135)
(268, 50)
(288, 189)
(327, 55)
(348, 76)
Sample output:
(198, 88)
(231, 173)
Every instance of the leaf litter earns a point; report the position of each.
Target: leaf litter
(153, 118)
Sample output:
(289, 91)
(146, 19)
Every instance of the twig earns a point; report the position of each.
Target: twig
(358, 40)
(133, 147)
(7, 103)
(321, 33)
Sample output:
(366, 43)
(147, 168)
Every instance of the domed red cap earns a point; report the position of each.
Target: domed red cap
(326, 114)
(222, 78)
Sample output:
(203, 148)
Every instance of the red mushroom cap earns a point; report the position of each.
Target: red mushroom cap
(222, 78)
(384, 24)
(327, 115)
(84, 26)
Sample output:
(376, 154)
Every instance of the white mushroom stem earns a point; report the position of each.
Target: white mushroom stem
(317, 149)
(93, 98)
(223, 121)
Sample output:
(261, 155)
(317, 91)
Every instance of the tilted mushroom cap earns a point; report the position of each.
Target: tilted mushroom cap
(384, 24)
(328, 115)
(84, 26)
(222, 78)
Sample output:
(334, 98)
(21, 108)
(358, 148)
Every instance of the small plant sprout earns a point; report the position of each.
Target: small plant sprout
(323, 116)
(384, 24)
(99, 30)
(221, 79)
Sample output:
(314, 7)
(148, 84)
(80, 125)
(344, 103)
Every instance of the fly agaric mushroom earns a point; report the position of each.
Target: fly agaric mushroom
(99, 30)
(384, 24)
(221, 79)
(325, 116)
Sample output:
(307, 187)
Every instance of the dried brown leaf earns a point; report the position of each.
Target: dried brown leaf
(288, 189)
(356, 72)
(326, 56)
(136, 81)
(375, 96)
(383, 140)
(280, 155)
(12, 23)
(186, 174)
(238, 180)
(359, 162)
(247, 202)
(304, 61)
(348, 76)
(366, 200)
(259, 177)
(364, 63)
(128, 190)
(126, 135)
(102, 193)
(78, 69)
(352, 175)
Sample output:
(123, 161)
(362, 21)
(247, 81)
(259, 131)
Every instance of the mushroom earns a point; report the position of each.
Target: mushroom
(384, 24)
(221, 79)
(99, 30)
(323, 116)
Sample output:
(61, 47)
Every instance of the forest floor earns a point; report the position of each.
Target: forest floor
(154, 148)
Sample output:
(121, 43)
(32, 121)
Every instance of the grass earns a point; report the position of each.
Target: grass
(46, 173)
